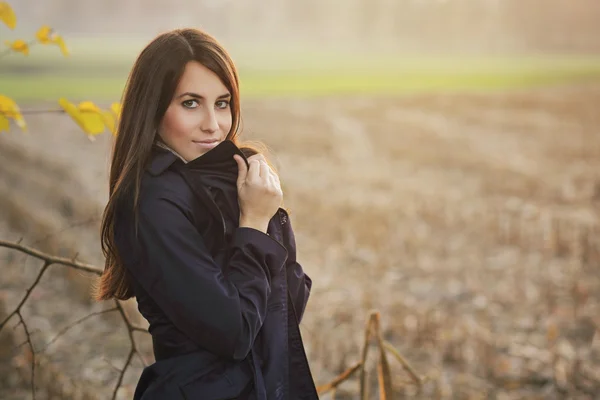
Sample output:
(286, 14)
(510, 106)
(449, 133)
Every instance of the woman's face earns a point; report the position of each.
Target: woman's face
(199, 116)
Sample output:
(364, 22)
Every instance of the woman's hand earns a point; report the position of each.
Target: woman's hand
(259, 192)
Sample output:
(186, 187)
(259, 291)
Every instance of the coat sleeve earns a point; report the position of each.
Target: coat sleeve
(222, 314)
(299, 283)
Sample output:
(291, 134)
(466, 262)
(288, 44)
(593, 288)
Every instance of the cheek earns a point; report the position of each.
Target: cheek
(225, 121)
(177, 124)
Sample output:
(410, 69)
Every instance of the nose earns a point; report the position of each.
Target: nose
(209, 122)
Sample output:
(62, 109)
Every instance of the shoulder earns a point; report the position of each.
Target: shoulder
(164, 191)
(162, 186)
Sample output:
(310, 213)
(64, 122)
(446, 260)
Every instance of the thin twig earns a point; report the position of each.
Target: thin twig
(27, 293)
(32, 354)
(71, 325)
(372, 327)
(42, 111)
(407, 367)
(130, 329)
(347, 374)
(113, 366)
(383, 367)
(363, 359)
(10, 50)
(51, 259)
(120, 380)
(16, 348)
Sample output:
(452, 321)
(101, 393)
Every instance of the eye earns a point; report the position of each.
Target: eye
(222, 104)
(190, 104)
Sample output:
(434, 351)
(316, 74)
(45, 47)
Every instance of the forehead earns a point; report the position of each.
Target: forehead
(196, 78)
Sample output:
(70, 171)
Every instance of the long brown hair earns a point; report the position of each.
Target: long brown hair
(148, 93)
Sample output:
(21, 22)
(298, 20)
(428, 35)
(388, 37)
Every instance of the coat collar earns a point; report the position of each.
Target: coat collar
(161, 144)
(221, 158)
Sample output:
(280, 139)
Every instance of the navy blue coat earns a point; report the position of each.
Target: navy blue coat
(223, 302)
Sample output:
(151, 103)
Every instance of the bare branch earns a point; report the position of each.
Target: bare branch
(383, 367)
(347, 374)
(113, 366)
(405, 364)
(363, 359)
(130, 329)
(371, 328)
(51, 259)
(120, 380)
(27, 293)
(15, 349)
(44, 111)
(80, 320)
(32, 353)
(71, 263)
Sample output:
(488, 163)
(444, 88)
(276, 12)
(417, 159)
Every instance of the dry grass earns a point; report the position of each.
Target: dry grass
(469, 221)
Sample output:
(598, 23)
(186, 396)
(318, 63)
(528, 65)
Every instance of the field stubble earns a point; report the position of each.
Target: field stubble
(470, 221)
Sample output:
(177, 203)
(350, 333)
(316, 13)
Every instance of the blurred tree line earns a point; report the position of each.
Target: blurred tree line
(488, 26)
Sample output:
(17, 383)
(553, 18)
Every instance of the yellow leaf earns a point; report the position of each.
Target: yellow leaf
(4, 124)
(110, 121)
(61, 43)
(7, 15)
(108, 118)
(43, 34)
(116, 109)
(10, 109)
(47, 35)
(20, 46)
(88, 106)
(89, 121)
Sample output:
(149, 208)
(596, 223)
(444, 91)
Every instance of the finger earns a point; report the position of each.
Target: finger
(275, 175)
(254, 171)
(273, 182)
(258, 157)
(242, 168)
(265, 170)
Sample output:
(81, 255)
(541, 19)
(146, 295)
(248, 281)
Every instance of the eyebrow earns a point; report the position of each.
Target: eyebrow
(197, 96)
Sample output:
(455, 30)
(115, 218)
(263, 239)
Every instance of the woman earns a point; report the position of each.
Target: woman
(193, 230)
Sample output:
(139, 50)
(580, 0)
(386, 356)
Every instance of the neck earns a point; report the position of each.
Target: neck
(164, 146)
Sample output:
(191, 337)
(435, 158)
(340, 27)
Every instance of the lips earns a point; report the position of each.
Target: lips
(206, 144)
